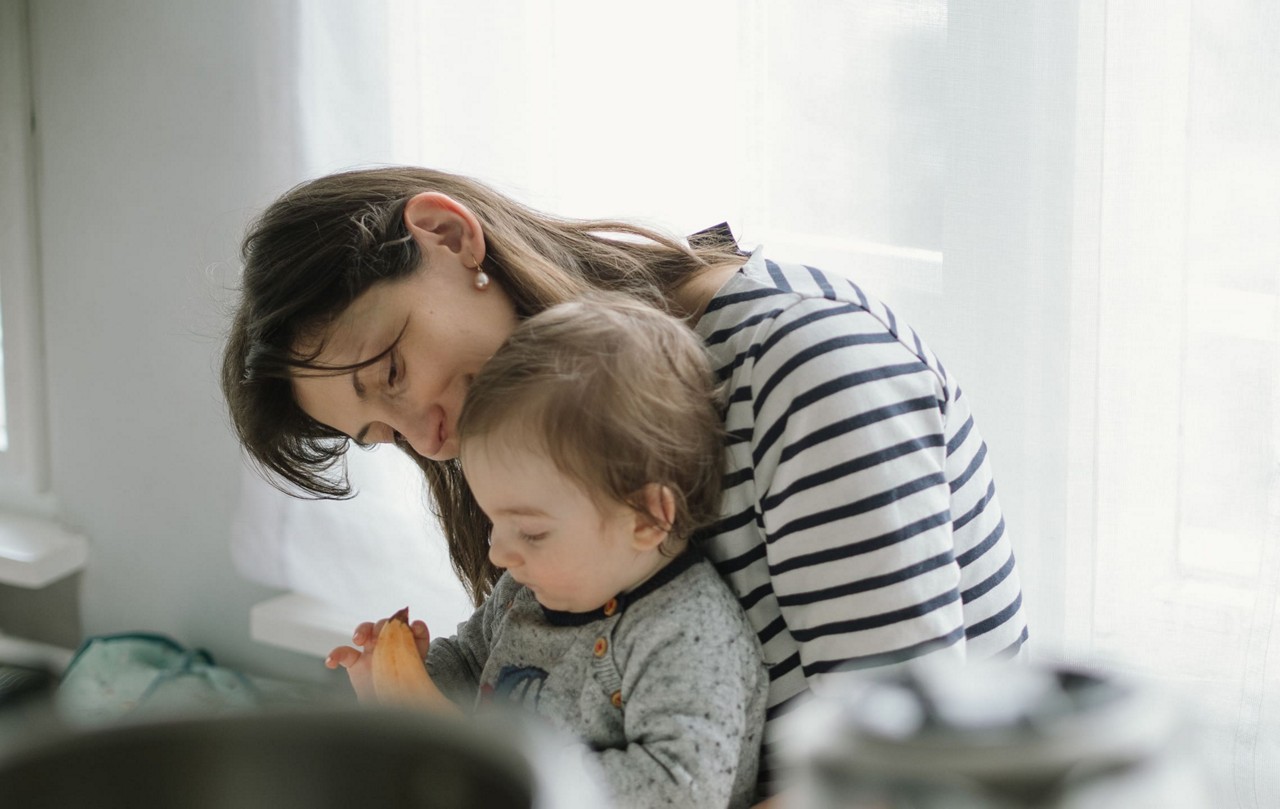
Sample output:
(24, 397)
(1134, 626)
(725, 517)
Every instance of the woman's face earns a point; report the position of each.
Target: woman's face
(447, 330)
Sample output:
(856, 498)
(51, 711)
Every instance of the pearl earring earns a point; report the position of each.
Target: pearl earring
(482, 278)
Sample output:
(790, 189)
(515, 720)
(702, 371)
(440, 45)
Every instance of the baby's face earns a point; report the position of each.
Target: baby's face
(573, 554)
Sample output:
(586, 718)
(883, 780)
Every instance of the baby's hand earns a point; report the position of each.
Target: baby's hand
(359, 662)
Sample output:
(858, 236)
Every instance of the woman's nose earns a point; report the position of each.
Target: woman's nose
(410, 432)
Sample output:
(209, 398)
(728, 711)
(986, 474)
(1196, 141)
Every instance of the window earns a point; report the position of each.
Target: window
(34, 550)
(1179, 578)
(21, 430)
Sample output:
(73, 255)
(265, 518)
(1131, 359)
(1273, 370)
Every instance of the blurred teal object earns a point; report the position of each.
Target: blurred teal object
(112, 676)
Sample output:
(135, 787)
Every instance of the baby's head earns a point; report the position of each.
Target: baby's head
(618, 398)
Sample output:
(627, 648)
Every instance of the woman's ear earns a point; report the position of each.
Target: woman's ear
(439, 220)
(654, 521)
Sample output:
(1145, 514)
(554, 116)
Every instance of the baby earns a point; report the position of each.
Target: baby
(593, 442)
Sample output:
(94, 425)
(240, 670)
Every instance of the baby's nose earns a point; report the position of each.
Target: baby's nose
(499, 555)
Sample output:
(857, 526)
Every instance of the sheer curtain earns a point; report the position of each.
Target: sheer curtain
(1073, 202)
(1177, 432)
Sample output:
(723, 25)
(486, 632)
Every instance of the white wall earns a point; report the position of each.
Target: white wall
(159, 133)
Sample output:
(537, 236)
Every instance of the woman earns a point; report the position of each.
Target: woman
(859, 525)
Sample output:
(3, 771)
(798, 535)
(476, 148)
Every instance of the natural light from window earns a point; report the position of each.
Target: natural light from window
(4, 421)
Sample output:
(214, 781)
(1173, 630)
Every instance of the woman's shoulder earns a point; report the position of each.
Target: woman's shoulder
(765, 294)
(787, 314)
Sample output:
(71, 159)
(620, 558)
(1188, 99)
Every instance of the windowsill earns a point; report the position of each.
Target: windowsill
(301, 623)
(20, 652)
(36, 551)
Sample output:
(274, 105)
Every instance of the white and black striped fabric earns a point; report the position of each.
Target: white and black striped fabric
(860, 525)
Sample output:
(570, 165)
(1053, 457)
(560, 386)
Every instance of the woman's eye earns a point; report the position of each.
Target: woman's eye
(532, 537)
(393, 372)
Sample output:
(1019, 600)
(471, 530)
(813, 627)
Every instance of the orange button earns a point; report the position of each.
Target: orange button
(616, 699)
(601, 647)
(610, 607)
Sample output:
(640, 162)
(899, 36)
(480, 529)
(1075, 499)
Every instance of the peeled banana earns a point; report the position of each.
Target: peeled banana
(399, 674)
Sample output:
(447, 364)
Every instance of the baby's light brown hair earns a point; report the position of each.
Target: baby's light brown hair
(618, 395)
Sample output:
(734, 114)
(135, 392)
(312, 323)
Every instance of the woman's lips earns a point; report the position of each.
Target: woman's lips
(434, 435)
(444, 446)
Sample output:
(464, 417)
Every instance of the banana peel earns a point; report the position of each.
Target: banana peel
(399, 674)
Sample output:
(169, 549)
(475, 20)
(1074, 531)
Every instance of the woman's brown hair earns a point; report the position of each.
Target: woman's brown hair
(324, 243)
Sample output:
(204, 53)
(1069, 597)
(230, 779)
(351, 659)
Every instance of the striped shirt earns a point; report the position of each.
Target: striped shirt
(860, 525)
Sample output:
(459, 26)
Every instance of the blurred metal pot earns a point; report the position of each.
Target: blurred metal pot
(331, 757)
(938, 735)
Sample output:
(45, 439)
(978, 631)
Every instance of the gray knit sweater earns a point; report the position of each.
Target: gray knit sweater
(665, 683)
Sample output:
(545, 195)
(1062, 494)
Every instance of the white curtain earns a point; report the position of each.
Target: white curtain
(1074, 202)
(1175, 530)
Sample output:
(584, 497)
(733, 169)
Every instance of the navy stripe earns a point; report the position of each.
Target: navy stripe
(771, 631)
(985, 626)
(863, 546)
(919, 348)
(728, 370)
(782, 331)
(893, 321)
(724, 334)
(813, 352)
(854, 423)
(969, 556)
(828, 388)
(739, 395)
(742, 436)
(733, 564)
(966, 518)
(775, 272)
(1013, 648)
(834, 473)
(866, 504)
(852, 380)
(877, 621)
(736, 478)
(732, 522)
(885, 658)
(958, 438)
(792, 702)
(821, 280)
(721, 301)
(861, 298)
(752, 598)
(869, 583)
(973, 466)
(981, 589)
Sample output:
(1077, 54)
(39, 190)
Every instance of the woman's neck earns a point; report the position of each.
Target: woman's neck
(691, 297)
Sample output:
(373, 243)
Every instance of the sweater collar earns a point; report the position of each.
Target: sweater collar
(619, 603)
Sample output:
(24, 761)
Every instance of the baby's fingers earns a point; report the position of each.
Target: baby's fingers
(421, 637)
(344, 656)
(367, 632)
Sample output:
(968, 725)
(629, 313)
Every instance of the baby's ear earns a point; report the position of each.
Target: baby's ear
(655, 519)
